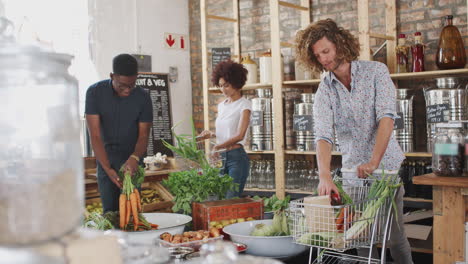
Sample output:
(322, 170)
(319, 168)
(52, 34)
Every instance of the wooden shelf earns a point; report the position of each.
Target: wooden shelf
(247, 87)
(260, 152)
(301, 83)
(297, 152)
(418, 200)
(394, 76)
(418, 154)
(426, 74)
(337, 153)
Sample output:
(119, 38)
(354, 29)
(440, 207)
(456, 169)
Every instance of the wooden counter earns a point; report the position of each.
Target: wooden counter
(450, 202)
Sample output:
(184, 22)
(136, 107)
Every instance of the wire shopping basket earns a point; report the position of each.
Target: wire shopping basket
(215, 158)
(361, 224)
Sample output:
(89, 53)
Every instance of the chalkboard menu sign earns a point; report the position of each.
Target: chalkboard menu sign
(218, 55)
(302, 123)
(438, 113)
(399, 124)
(157, 85)
(256, 119)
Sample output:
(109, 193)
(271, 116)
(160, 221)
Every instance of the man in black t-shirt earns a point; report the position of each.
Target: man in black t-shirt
(119, 117)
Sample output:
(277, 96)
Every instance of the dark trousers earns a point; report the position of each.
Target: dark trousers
(108, 190)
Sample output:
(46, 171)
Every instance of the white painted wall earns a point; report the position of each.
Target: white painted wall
(138, 26)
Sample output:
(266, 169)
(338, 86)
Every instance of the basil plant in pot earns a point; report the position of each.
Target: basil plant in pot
(197, 184)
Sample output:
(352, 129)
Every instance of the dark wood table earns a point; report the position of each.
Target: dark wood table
(450, 204)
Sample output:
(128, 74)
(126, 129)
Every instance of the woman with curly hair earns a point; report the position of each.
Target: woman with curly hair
(232, 122)
(357, 98)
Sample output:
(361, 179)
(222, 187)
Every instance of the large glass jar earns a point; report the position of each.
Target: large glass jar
(447, 157)
(451, 50)
(466, 148)
(41, 166)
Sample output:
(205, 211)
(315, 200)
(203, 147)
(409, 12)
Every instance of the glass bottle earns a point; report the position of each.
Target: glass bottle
(448, 159)
(402, 52)
(417, 52)
(450, 51)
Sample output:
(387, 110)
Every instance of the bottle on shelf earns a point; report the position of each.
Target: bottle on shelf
(251, 67)
(417, 52)
(402, 53)
(451, 50)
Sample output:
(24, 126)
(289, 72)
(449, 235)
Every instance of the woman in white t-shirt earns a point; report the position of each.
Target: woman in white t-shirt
(232, 122)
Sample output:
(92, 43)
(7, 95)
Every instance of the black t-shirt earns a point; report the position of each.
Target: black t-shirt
(119, 116)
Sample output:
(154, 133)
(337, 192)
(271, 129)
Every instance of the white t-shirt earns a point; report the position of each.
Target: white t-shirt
(228, 120)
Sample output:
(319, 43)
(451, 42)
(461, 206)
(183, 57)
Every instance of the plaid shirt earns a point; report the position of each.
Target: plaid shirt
(356, 114)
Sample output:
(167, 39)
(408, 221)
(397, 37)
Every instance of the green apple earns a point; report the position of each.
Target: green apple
(250, 219)
(240, 220)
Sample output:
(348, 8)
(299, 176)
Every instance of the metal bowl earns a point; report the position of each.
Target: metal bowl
(273, 247)
(167, 222)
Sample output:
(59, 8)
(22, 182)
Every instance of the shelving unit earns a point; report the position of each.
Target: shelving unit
(278, 84)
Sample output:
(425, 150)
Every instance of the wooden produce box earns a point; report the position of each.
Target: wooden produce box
(164, 195)
(206, 212)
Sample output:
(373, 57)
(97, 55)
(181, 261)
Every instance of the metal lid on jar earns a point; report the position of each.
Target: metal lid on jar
(446, 83)
(449, 125)
(263, 93)
(402, 93)
(21, 54)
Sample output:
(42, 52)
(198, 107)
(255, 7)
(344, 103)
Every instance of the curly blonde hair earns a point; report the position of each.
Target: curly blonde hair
(347, 46)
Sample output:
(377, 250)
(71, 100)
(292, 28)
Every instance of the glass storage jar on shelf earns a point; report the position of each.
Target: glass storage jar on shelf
(41, 168)
(447, 157)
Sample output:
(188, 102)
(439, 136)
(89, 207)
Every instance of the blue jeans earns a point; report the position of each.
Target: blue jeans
(237, 165)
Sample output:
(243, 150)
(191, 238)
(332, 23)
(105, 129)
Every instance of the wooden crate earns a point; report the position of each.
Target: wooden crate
(164, 205)
(204, 213)
(163, 193)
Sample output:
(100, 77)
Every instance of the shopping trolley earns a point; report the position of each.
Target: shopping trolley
(332, 230)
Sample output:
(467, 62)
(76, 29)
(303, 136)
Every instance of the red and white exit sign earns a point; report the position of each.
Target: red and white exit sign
(175, 41)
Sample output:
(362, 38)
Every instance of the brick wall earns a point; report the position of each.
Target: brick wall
(412, 15)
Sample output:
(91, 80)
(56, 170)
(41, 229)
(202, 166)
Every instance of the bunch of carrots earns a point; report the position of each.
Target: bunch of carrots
(130, 208)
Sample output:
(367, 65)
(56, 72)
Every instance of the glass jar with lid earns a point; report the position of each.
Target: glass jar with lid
(41, 168)
(448, 151)
(466, 148)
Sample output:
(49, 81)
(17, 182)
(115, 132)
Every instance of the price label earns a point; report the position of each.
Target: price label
(256, 119)
(438, 113)
(399, 124)
(303, 123)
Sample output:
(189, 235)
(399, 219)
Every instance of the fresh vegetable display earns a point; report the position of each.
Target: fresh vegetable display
(280, 225)
(223, 223)
(95, 207)
(197, 184)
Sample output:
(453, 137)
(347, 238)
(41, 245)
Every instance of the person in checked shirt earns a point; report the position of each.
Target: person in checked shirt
(357, 98)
